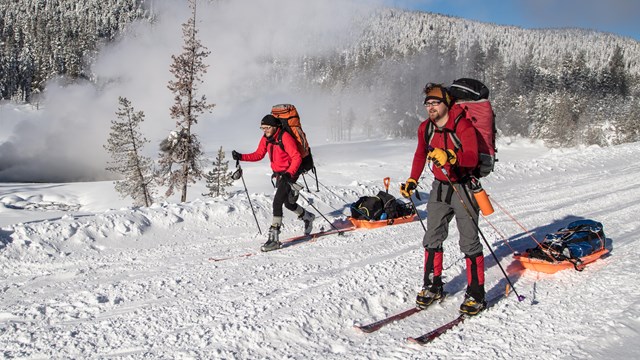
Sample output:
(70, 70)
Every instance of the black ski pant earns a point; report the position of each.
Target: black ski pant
(284, 196)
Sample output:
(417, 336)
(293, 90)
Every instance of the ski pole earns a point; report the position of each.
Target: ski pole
(343, 199)
(238, 175)
(446, 174)
(305, 182)
(418, 215)
(315, 174)
(321, 214)
(415, 208)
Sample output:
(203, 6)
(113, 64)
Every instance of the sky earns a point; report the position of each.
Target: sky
(614, 16)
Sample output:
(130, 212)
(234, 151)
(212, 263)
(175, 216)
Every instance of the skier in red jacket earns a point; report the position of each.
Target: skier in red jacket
(453, 167)
(285, 161)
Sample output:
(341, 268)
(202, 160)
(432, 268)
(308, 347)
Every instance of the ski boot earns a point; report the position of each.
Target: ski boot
(273, 243)
(471, 306)
(427, 296)
(308, 218)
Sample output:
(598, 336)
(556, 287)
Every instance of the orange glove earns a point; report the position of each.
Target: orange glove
(440, 157)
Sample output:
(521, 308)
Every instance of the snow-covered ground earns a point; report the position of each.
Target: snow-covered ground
(86, 276)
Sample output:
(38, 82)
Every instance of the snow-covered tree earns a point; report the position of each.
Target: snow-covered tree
(40, 40)
(615, 77)
(219, 178)
(125, 146)
(183, 148)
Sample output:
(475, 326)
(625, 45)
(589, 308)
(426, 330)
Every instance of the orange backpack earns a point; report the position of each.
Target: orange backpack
(288, 115)
(290, 119)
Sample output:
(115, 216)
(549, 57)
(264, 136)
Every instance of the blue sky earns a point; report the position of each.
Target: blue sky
(614, 16)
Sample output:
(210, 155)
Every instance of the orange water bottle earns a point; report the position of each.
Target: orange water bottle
(481, 197)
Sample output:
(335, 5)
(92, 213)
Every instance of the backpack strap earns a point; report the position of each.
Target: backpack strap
(278, 141)
(452, 134)
(431, 130)
(284, 128)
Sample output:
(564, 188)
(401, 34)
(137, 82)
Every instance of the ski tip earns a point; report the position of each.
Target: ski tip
(362, 329)
(415, 341)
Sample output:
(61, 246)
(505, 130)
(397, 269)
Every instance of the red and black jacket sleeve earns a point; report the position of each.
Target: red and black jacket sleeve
(282, 160)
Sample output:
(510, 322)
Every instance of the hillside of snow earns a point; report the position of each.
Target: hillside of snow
(405, 32)
(86, 276)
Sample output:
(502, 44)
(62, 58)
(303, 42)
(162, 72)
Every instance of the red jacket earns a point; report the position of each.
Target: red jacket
(467, 155)
(287, 160)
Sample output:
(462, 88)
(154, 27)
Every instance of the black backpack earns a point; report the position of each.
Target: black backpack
(367, 208)
(468, 90)
(372, 207)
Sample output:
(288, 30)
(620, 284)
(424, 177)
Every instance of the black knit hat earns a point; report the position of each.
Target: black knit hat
(270, 120)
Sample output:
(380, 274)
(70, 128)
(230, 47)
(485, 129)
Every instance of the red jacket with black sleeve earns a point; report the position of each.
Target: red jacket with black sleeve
(467, 154)
(287, 160)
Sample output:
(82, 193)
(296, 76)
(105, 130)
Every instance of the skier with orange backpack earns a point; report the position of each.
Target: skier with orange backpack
(285, 161)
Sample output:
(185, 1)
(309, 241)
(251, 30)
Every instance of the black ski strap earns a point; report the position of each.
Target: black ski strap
(447, 199)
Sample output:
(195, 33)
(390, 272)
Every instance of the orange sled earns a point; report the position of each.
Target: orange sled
(551, 267)
(373, 224)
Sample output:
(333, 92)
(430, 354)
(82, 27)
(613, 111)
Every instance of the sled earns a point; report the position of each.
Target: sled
(374, 224)
(552, 267)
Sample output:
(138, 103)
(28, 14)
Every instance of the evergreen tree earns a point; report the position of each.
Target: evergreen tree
(583, 78)
(183, 148)
(125, 145)
(219, 178)
(495, 72)
(615, 77)
(528, 74)
(626, 122)
(478, 59)
(40, 40)
(567, 81)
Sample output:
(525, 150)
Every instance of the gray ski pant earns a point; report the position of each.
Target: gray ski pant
(442, 206)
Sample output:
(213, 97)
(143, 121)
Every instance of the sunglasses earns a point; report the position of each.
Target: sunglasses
(432, 103)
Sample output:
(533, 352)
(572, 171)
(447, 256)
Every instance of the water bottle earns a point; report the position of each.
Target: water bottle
(481, 197)
(383, 216)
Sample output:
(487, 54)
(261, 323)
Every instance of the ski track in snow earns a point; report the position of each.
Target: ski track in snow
(137, 283)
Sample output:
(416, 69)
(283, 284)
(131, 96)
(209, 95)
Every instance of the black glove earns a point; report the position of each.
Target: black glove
(286, 177)
(236, 155)
(280, 178)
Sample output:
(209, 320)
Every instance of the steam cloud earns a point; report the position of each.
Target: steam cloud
(63, 139)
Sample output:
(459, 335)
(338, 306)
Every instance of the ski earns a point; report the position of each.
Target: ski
(231, 257)
(296, 240)
(314, 236)
(435, 333)
(377, 325)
